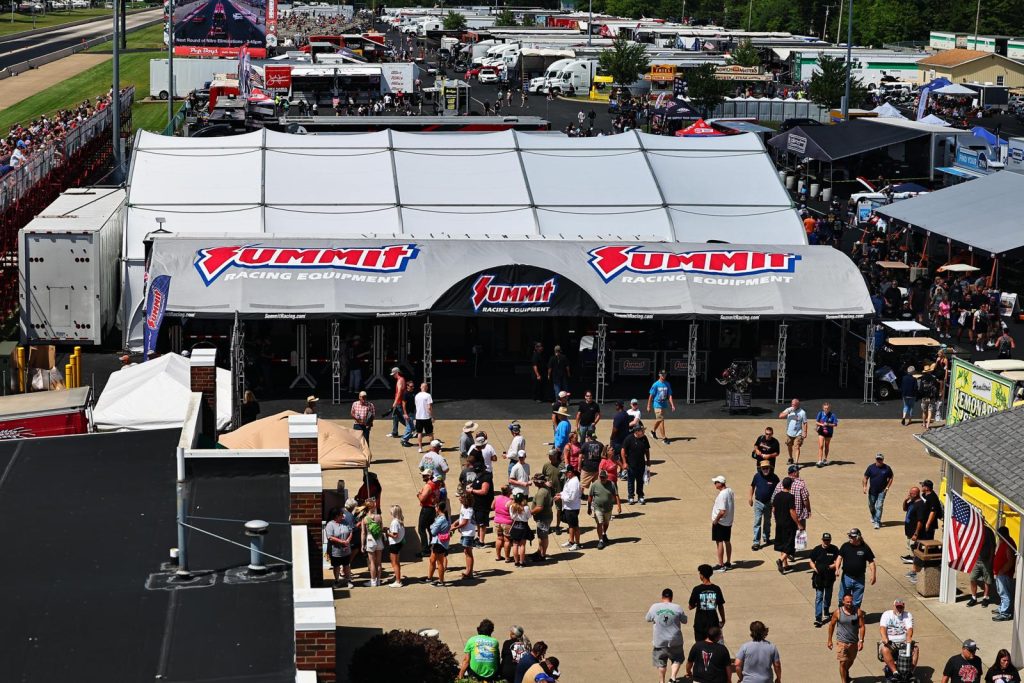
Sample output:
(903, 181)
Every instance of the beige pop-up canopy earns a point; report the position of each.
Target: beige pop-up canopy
(339, 447)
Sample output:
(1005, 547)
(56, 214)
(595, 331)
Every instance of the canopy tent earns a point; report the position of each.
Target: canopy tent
(934, 120)
(310, 277)
(988, 136)
(699, 129)
(406, 187)
(674, 110)
(338, 447)
(984, 213)
(888, 111)
(154, 395)
(958, 268)
(831, 143)
(740, 126)
(936, 83)
(955, 90)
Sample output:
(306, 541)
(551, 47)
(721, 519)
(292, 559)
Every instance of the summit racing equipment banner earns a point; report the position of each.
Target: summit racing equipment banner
(219, 28)
(515, 290)
(975, 392)
(307, 277)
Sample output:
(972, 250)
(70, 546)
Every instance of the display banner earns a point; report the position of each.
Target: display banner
(975, 392)
(219, 28)
(515, 290)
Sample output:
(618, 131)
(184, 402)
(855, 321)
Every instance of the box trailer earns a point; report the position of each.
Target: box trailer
(189, 75)
(45, 413)
(68, 267)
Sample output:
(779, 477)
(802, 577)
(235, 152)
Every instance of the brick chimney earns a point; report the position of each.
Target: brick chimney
(203, 380)
(306, 487)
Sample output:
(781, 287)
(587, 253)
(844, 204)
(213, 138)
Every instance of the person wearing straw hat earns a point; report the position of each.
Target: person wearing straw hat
(311, 402)
(466, 440)
(562, 428)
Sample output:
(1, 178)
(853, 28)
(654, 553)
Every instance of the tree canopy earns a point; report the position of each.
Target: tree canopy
(745, 54)
(705, 89)
(828, 84)
(454, 21)
(626, 62)
(505, 18)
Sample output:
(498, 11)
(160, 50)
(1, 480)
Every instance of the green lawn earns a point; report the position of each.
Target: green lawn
(96, 80)
(25, 22)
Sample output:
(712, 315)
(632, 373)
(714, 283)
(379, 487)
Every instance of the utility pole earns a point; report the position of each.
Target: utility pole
(977, 19)
(590, 25)
(839, 28)
(170, 64)
(824, 27)
(750, 13)
(115, 103)
(849, 60)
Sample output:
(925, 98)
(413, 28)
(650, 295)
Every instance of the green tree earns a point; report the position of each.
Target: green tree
(828, 84)
(705, 89)
(626, 61)
(505, 18)
(529, 20)
(631, 8)
(454, 21)
(745, 54)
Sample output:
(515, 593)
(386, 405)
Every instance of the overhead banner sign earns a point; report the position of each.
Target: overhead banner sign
(515, 290)
(299, 278)
(661, 73)
(277, 77)
(219, 28)
(735, 72)
(976, 392)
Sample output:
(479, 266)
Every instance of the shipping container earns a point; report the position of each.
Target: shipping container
(189, 75)
(68, 260)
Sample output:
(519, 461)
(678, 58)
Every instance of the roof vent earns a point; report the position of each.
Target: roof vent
(256, 529)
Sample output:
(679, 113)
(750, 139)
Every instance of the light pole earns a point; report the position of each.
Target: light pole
(170, 64)
(115, 104)
(590, 26)
(750, 13)
(849, 60)
(977, 18)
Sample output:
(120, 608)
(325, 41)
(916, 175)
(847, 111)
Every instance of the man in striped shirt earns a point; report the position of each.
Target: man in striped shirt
(363, 413)
(800, 493)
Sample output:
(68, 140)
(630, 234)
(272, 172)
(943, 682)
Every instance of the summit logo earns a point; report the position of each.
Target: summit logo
(612, 261)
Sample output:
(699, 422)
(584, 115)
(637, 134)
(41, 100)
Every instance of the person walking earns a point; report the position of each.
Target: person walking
(796, 429)
(667, 618)
(823, 578)
(363, 413)
(339, 541)
(620, 427)
(543, 504)
(592, 452)
(600, 499)
(537, 365)
(761, 488)
(965, 667)
(559, 372)
(396, 403)
(709, 661)
(758, 658)
(396, 540)
(826, 422)
(766, 447)
(787, 522)
(708, 603)
(878, 478)
(659, 396)
(847, 628)
(1004, 564)
(801, 494)
(408, 412)
(571, 495)
(855, 561)
(636, 456)
(481, 660)
(440, 536)
(424, 415)
(588, 414)
(722, 513)
(908, 392)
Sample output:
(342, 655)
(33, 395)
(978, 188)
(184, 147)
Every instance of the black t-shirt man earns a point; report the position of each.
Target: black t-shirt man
(963, 670)
(409, 403)
(482, 501)
(766, 446)
(705, 599)
(588, 412)
(558, 364)
(590, 458)
(915, 513)
(710, 661)
(856, 559)
(637, 452)
(823, 557)
(931, 504)
(620, 428)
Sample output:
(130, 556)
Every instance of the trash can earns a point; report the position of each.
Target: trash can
(782, 177)
(790, 179)
(928, 555)
(815, 188)
(826, 194)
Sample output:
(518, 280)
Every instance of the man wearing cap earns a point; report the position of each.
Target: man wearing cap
(722, 513)
(636, 456)
(823, 579)
(561, 401)
(762, 486)
(428, 496)
(965, 667)
(659, 395)
(667, 618)
(855, 560)
(562, 427)
(571, 496)
(620, 427)
(877, 482)
(801, 495)
(466, 440)
(896, 628)
(519, 477)
(636, 416)
(600, 500)
(434, 461)
(537, 365)
(363, 413)
(396, 403)
(485, 450)
(311, 402)
(847, 626)
(543, 504)
(588, 414)
(558, 371)
(518, 443)
(591, 453)
(424, 414)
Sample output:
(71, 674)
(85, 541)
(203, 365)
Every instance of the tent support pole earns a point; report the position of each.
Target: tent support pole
(844, 361)
(302, 359)
(824, 348)
(335, 361)
(780, 373)
(947, 576)
(403, 340)
(378, 359)
(174, 336)
(869, 365)
(237, 371)
(1017, 641)
(601, 346)
(691, 363)
(428, 354)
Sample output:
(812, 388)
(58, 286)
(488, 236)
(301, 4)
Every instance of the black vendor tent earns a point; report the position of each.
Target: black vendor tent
(831, 143)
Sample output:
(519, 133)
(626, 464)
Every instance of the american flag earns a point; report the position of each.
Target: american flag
(964, 534)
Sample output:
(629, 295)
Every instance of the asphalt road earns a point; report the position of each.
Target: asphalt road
(41, 44)
(215, 21)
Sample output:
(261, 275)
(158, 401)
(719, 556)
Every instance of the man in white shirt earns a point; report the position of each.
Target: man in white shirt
(519, 477)
(424, 415)
(571, 496)
(486, 451)
(896, 628)
(796, 428)
(517, 444)
(433, 460)
(721, 523)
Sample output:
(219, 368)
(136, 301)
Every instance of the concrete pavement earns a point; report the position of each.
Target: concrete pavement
(33, 81)
(589, 606)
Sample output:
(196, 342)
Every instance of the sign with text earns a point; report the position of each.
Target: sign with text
(976, 392)
(278, 77)
(219, 28)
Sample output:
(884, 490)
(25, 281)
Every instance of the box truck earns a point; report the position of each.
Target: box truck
(189, 75)
(68, 260)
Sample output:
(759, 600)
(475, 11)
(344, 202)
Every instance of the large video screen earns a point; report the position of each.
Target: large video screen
(219, 28)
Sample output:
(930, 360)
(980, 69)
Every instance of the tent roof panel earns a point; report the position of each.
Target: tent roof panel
(351, 177)
(590, 178)
(983, 213)
(831, 143)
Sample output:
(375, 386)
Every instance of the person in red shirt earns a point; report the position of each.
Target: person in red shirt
(609, 463)
(1004, 563)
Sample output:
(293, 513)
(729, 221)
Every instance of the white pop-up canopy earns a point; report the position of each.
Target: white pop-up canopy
(154, 395)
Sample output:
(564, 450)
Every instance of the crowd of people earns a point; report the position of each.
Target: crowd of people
(956, 110)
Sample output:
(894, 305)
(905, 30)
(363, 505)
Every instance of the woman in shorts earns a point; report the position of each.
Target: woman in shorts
(372, 526)
(440, 536)
(503, 524)
(827, 423)
(396, 539)
(467, 531)
(571, 452)
(519, 511)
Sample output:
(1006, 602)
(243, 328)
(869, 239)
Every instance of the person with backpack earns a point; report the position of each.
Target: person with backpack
(928, 392)
(372, 526)
(1005, 344)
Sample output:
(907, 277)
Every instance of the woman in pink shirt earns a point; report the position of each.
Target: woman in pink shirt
(571, 453)
(503, 524)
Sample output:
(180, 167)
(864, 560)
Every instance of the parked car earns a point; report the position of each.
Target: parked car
(488, 74)
(237, 16)
(80, 4)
